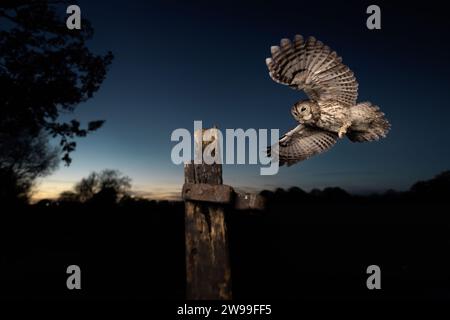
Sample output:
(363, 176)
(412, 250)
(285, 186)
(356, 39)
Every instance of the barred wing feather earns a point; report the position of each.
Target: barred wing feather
(312, 66)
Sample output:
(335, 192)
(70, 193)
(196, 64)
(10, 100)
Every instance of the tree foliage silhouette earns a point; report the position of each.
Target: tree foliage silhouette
(104, 187)
(22, 159)
(46, 70)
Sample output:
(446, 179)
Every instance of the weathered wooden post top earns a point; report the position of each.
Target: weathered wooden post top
(206, 199)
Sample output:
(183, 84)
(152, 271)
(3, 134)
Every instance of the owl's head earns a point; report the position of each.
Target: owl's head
(303, 111)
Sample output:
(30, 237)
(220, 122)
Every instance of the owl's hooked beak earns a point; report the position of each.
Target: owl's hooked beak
(308, 117)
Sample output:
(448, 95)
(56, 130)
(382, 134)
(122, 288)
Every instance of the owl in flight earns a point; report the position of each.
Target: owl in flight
(331, 111)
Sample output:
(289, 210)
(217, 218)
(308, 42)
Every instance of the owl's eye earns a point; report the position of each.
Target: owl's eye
(303, 109)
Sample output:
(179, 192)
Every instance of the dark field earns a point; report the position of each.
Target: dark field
(304, 246)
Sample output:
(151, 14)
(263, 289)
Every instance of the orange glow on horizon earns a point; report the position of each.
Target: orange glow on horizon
(51, 189)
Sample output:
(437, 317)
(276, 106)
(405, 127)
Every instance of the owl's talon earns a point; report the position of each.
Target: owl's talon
(343, 130)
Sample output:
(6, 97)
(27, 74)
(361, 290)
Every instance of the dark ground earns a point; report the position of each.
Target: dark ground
(305, 245)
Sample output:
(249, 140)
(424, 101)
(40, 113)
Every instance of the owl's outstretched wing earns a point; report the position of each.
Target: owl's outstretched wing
(312, 66)
(302, 143)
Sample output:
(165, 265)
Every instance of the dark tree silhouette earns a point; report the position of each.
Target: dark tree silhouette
(23, 159)
(45, 70)
(438, 187)
(68, 197)
(105, 187)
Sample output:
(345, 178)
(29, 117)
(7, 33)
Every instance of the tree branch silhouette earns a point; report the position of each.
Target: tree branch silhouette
(46, 70)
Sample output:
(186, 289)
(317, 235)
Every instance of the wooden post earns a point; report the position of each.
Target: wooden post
(208, 274)
(207, 253)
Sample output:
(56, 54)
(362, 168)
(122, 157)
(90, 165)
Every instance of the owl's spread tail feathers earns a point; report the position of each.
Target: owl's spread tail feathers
(368, 123)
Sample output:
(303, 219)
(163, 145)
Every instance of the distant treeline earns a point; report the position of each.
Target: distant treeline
(109, 188)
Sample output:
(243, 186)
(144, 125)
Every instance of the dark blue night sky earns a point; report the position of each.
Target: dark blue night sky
(178, 62)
